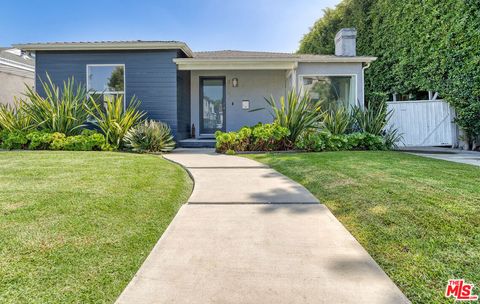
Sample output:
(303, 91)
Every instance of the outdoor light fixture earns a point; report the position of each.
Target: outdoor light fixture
(235, 82)
(245, 104)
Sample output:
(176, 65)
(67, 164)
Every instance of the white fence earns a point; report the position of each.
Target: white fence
(424, 122)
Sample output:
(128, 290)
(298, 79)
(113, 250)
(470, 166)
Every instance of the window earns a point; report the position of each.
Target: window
(334, 90)
(106, 81)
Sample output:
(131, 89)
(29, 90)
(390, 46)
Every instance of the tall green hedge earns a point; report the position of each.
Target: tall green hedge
(421, 45)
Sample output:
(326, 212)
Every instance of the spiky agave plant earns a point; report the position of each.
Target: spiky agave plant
(298, 113)
(58, 109)
(150, 136)
(113, 120)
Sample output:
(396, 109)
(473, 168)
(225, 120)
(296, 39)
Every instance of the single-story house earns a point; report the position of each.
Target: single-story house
(202, 92)
(17, 69)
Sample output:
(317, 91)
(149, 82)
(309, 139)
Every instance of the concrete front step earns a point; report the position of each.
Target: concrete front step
(197, 143)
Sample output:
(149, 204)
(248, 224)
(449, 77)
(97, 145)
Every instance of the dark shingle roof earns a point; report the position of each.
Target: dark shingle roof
(102, 42)
(242, 54)
(254, 55)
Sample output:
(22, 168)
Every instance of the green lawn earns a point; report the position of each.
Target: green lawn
(419, 218)
(76, 226)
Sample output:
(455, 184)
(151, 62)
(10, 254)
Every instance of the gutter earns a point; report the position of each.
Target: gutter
(363, 81)
(106, 46)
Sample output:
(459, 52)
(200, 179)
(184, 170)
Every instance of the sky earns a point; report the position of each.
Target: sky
(257, 25)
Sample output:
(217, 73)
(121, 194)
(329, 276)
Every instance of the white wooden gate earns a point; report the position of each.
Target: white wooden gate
(424, 122)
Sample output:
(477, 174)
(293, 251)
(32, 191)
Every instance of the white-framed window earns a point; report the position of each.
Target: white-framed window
(106, 81)
(332, 89)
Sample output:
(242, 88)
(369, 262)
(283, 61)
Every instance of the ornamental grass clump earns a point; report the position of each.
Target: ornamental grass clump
(61, 110)
(13, 117)
(113, 120)
(150, 136)
(337, 120)
(298, 113)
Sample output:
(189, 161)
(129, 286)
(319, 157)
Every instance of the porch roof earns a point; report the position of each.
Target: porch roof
(238, 60)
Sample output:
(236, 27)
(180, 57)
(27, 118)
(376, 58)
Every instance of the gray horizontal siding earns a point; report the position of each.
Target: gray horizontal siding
(151, 76)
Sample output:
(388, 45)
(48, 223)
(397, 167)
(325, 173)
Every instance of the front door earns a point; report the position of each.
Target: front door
(212, 105)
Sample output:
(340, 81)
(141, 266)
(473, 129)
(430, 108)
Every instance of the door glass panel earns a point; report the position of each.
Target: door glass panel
(213, 105)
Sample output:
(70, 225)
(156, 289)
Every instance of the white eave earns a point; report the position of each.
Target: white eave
(96, 46)
(17, 65)
(261, 63)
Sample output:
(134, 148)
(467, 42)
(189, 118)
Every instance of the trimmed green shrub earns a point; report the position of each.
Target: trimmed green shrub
(39, 140)
(58, 141)
(150, 136)
(269, 137)
(261, 137)
(230, 152)
(325, 141)
(84, 142)
(13, 140)
(88, 140)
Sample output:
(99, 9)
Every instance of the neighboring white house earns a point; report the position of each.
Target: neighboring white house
(16, 70)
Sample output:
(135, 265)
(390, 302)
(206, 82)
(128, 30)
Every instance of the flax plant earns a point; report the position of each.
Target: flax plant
(61, 110)
(298, 113)
(113, 120)
(13, 118)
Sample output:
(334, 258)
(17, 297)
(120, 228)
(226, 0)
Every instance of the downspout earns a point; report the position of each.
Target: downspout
(363, 81)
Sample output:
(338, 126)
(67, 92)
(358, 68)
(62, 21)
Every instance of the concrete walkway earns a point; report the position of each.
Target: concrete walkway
(252, 235)
(453, 155)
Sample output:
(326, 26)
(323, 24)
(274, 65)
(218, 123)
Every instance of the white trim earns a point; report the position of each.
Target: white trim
(80, 46)
(234, 65)
(363, 81)
(268, 63)
(293, 58)
(17, 65)
(356, 101)
(124, 92)
(340, 59)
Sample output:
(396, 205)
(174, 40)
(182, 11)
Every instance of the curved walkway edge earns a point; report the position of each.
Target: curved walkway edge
(251, 235)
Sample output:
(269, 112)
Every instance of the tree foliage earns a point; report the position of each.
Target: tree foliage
(421, 45)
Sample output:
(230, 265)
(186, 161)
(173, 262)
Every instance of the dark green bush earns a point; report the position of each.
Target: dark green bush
(261, 137)
(58, 141)
(420, 45)
(13, 140)
(88, 140)
(39, 140)
(82, 142)
(325, 141)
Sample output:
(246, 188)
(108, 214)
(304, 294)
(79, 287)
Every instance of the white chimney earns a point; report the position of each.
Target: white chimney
(346, 42)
